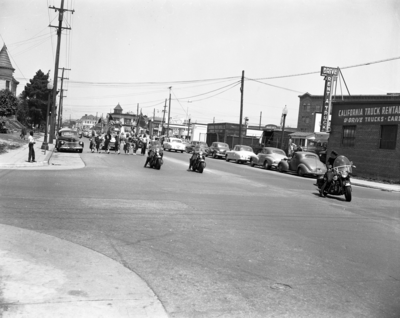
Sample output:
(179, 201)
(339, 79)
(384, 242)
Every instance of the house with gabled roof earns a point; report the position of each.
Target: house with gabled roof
(7, 80)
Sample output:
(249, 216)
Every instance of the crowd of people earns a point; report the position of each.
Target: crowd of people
(118, 142)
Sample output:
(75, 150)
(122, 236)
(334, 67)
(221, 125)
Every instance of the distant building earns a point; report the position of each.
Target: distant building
(7, 81)
(129, 122)
(87, 122)
(310, 108)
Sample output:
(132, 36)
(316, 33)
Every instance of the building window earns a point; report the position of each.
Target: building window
(388, 137)
(318, 108)
(307, 120)
(8, 85)
(349, 136)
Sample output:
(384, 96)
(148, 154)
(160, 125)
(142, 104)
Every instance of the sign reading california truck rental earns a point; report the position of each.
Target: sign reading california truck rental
(365, 114)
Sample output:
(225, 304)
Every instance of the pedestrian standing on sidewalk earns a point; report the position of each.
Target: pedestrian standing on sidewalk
(31, 149)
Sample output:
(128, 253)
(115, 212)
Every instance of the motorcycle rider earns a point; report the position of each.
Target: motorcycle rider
(152, 150)
(196, 152)
(328, 174)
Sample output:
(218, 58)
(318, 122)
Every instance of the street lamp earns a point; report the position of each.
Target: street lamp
(284, 113)
(45, 145)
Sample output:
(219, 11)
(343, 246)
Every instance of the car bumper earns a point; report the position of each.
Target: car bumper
(63, 147)
(220, 154)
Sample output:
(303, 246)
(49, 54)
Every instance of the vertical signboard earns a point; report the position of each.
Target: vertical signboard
(330, 74)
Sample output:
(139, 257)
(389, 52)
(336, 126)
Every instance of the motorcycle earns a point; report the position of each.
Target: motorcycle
(199, 162)
(155, 159)
(338, 178)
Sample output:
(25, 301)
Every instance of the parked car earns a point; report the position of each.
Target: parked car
(68, 139)
(241, 154)
(304, 163)
(268, 157)
(173, 144)
(85, 133)
(218, 149)
(193, 144)
(316, 146)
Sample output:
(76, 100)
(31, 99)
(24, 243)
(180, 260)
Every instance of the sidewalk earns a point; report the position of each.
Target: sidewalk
(44, 276)
(19, 157)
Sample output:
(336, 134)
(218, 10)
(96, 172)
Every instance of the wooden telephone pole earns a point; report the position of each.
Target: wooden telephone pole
(59, 29)
(169, 110)
(241, 109)
(60, 103)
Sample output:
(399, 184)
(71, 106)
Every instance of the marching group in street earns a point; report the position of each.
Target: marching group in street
(126, 142)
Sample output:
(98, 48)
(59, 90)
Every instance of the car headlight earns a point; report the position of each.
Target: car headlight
(62, 142)
(81, 143)
(334, 177)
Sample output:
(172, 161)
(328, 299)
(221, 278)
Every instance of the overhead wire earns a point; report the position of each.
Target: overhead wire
(287, 89)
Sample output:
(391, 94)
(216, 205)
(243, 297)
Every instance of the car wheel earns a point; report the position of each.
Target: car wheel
(214, 155)
(280, 169)
(252, 163)
(300, 172)
(226, 158)
(238, 161)
(266, 165)
(181, 151)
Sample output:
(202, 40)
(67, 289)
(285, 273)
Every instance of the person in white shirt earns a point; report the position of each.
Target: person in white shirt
(31, 149)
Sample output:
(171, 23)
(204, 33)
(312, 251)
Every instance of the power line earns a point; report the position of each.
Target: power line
(317, 72)
(288, 89)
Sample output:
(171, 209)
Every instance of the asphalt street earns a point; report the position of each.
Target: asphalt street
(235, 241)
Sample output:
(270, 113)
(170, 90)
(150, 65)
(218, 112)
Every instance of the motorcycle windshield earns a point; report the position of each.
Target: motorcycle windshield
(342, 164)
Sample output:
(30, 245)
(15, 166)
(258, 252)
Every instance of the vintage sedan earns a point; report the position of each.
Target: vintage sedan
(241, 154)
(268, 157)
(175, 144)
(218, 149)
(304, 163)
(68, 139)
(193, 144)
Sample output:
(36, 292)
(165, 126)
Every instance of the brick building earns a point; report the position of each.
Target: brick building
(310, 107)
(367, 132)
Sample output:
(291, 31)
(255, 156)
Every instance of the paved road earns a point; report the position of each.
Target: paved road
(234, 241)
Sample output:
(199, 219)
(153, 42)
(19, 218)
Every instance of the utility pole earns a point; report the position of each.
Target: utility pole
(260, 120)
(188, 129)
(60, 109)
(60, 103)
(59, 29)
(163, 119)
(241, 109)
(137, 119)
(169, 110)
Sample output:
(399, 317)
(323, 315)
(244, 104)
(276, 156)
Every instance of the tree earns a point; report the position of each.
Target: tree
(22, 111)
(36, 96)
(8, 103)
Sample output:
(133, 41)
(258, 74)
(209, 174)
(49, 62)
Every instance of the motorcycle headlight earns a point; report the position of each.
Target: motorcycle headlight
(334, 177)
(344, 174)
(200, 153)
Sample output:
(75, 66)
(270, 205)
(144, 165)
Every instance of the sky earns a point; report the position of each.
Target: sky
(131, 52)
